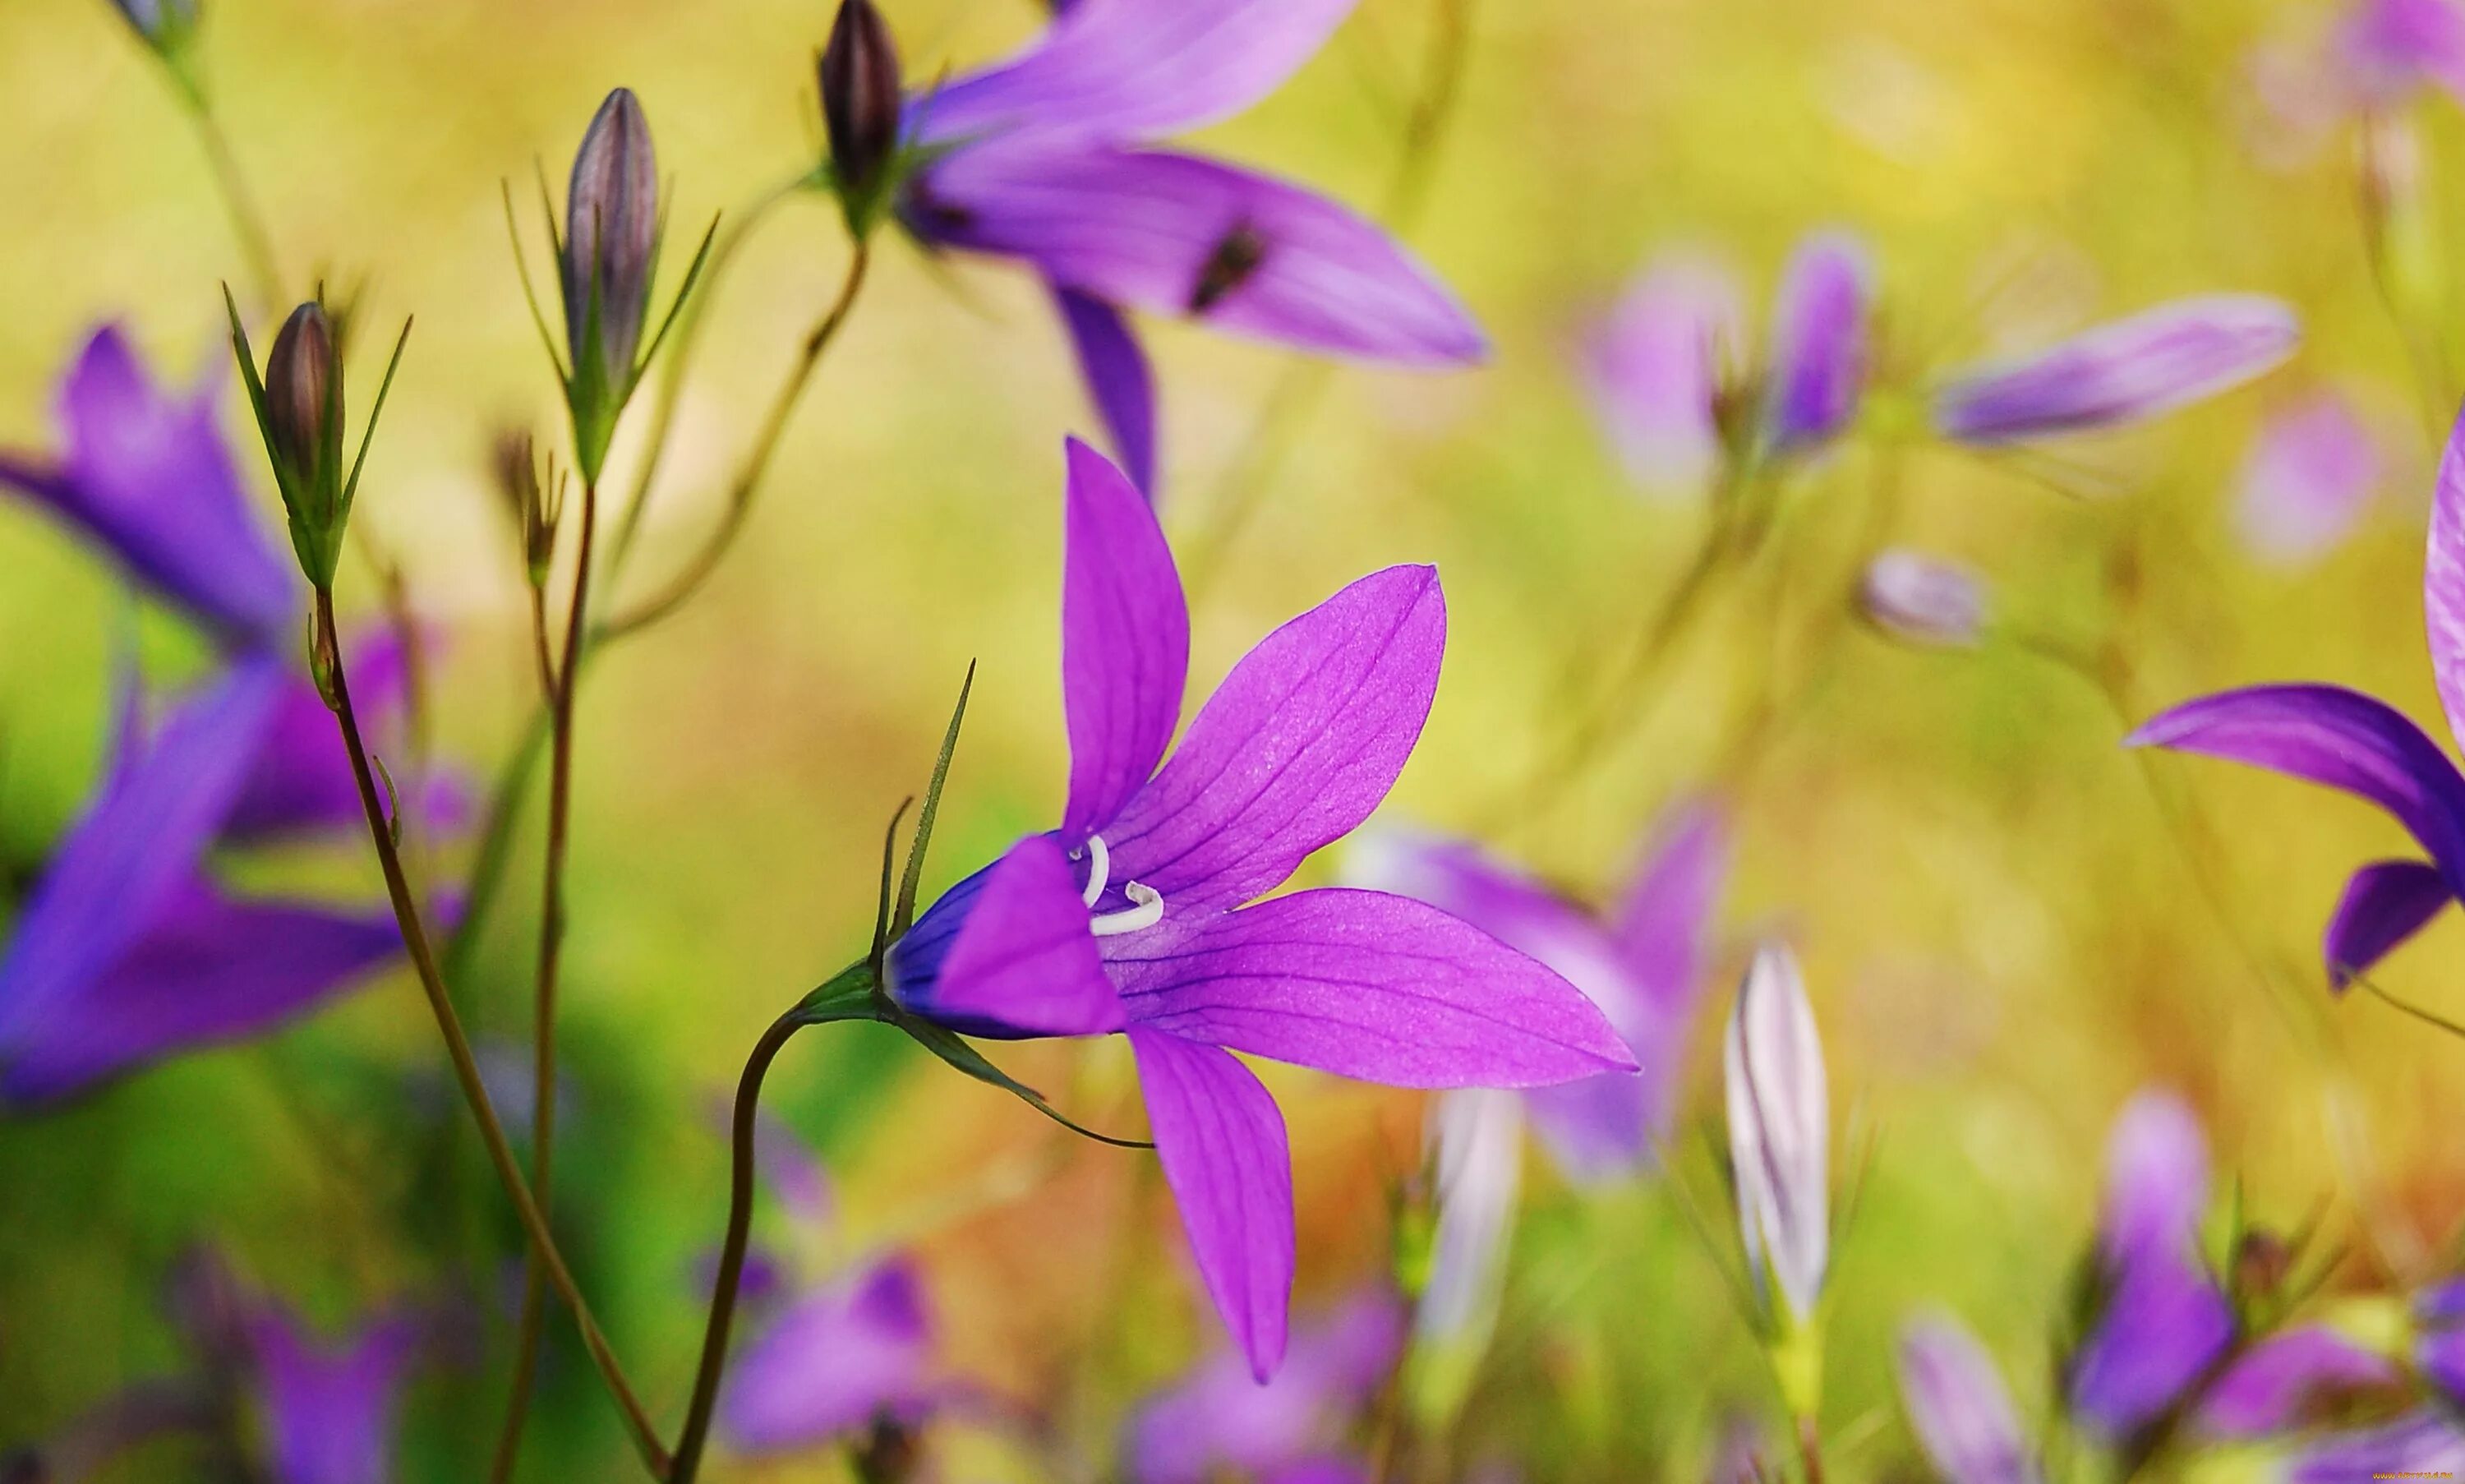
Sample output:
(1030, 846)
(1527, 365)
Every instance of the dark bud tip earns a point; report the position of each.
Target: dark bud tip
(888, 1453)
(300, 385)
(860, 103)
(611, 238)
(2263, 1262)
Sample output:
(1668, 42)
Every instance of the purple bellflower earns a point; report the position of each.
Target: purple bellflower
(834, 1361)
(1141, 914)
(2309, 478)
(1816, 368)
(2275, 1383)
(1219, 1418)
(127, 951)
(1044, 159)
(2327, 734)
(2161, 1322)
(2389, 48)
(2126, 371)
(1960, 1409)
(1643, 967)
(146, 475)
(329, 1411)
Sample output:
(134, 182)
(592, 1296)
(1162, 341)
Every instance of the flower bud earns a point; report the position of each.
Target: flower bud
(163, 23)
(1924, 600)
(1959, 1406)
(534, 501)
(304, 388)
(2124, 372)
(860, 107)
(611, 242)
(1780, 1133)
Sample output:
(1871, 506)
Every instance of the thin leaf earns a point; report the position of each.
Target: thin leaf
(906, 913)
(955, 1050)
(684, 291)
(368, 433)
(889, 864)
(530, 293)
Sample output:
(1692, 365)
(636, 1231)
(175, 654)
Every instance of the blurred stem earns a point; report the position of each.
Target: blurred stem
(1297, 392)
(748, 480)
(672, 376)
(1809, 1450)
(231, 185)
(458, 1046)
(2430, 1018)
(551, 944)
(731, 1255)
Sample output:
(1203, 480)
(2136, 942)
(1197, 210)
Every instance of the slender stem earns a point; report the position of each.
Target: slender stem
(551, 945)
(731, 1252)
(2430, 1018)
(748, 480)
(458, 1048)
(239, 203)
(1809, 1450)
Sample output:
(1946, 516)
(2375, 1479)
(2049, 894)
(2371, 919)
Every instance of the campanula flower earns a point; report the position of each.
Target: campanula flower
(1656, 368)
(2363, 746)
(1780, 1133)
(1218, 1418)
(2309, 478)
(1045, 159)
(2390, 49)
(1140, 915)
(834, 1361)
(330, 1410)
(2275, 1383)
(2160, 1322)
(1924, 599)
(145, 475)
(1643, 965)
(2126, 371)
(127, 950)
(1960, 1409)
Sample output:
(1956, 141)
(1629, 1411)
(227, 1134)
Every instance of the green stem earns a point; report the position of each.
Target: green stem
(231, 185)
(551, 944)
(458, 1046)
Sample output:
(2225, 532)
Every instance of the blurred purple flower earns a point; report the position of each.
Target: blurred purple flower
(1643, 967)
(1130, 917)
(2161, 1323)
(2439, 1348)
(2124, 373)
(1959, 1406)
(1924, 599)
(329, 1411)
(1218, 1418)
(2422, 1444)
(2351, 742)
(1817, 362)
(147, 476)
(2270, 1386)
(1655, 370)
(2308, 478)
(1039, 159)
(1780, 1133)
(833, 1363)
(2390, 48)
(126, 951)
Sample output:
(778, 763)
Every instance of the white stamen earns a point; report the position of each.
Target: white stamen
(1100, 873)
(1147, 912)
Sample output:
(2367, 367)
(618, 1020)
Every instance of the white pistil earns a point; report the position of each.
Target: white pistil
(1099, 872)
(1146, 911)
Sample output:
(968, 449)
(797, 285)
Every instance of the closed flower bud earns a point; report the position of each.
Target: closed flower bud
(304, 388)
(1924, 600)
(1780, 1133)
(611, 242)
(860, 107)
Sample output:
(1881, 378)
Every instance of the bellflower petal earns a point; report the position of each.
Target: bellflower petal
(2392, 47)
(1125, 643)
(137, 846)
(1220, 1137)
(1023, 962)
(2328, 734)
(1294, 749)
(1960, 1409)
(1220, 1418)
(1176, 235)
(1662, 929)
(1369, 986)
(300, 781)
(1118, 380)
(2270, 1385)
(2126, 371)
(2309, 478)
(2156, 1181)
(2384, 904)
(1818, 352)
(1780, 1131)
(2419, 1445)
(2443, 581)
(1127, 70)
(833, 1363)
(330, 1412)
(209, 970)
(1654, 368)
(148, 478)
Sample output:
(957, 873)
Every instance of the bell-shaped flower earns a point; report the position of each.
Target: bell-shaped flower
(2307, 480)
(2119, 373)
(1141, 914)
(1044, 160)
(2277, 1383)
(1960, 1409)
(330, 1410)
(1780, 1133)
(1643, 965)
(146, 475)
(836, 1360)
(2160, 1321)
(2327, 734)
(1218, 1418)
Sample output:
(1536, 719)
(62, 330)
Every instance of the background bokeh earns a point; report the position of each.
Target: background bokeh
(2008, 924)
